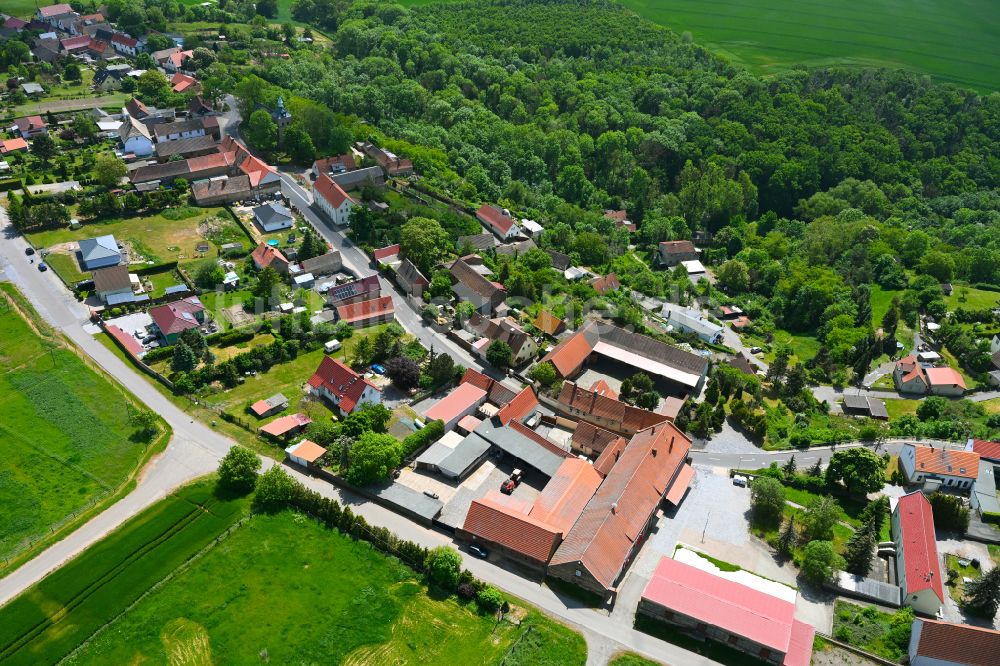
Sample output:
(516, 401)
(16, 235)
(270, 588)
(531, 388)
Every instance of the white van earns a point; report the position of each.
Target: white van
(331, 346)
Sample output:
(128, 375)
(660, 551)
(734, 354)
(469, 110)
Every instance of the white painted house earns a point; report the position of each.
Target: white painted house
(135, 137)
(917, 566)
(333, 200)
(936, 467)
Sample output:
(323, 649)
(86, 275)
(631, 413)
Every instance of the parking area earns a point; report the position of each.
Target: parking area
(138, 325)
(457, 496)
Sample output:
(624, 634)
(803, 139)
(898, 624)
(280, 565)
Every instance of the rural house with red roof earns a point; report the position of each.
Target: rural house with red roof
(918, 570)
(471, 286)
(612, 528)
(605, 411)
(736, 615)
(498, 221)
(172, 319)
(367, 313)
(937, 467)
(936, 643)
(342, 387)
(31, 126)
(333, 200)
(671, 253)
(265, 256)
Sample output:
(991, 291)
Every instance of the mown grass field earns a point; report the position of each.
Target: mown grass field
(956, 41)
(325, 599)
(971, 298)
(64, 433)
(53, 618)
(169, 236)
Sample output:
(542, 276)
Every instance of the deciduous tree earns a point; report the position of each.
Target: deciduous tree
(238, 469)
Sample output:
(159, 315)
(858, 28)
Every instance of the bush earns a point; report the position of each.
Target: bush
(767, 501)
(489, 599)
(820, 562)
(444, 565)
(429, 434)
(467, 591)
(950, 512)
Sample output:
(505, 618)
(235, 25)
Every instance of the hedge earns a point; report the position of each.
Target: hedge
(990, 517)
(231, 337)
(158, 354)
(427, 435)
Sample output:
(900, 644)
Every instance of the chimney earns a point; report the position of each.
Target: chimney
(654, 452)
(614, 508)
(671, 445)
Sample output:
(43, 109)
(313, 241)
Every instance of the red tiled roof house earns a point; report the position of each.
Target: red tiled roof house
(333, 200)
(172, 319)
(917, 566)
(935, 643)
(342, 387)
(368, 313)
(498, 221)
(936, 467)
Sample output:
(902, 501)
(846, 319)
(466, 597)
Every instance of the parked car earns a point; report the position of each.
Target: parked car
(378, 369)
(478, 551)
(755, 350)
(507, 487)
(740, 481)
(42, 267)
(29, 251)
(432, 494)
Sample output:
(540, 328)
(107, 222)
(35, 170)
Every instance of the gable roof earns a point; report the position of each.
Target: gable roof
(497, 518)
(934, 460)
(364, 310)
(456, 402)
(917, 540)
(463, 273)
(177, 316)
(360, 287)
(910, 369)
(330, 191)
(11, 145)
(494, 218)
(605, 407)
(285, 424)
(987, 450)
(481, 241)
(568, 356)
(264, 255)
(677, 247)
(411, 275)
(560, 261)
(124, 40)
(306, 450)
(589, 436)
(955, 643)
(263, 406)
(112, 278)
(271, 212)
(101, 247)
(522, 443)
(548, 323)
(29, 123)
(732, 607)
(136, 109)
(523, 404)
(132, 127)
(385, 252)
(180, 82)
(54, 10)
(606, 283)
(615, 518)
(944, 377)
(342, 382)
(186, 146)
(326, 164)
(498, 393)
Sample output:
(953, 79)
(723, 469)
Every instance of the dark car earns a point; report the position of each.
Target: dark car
(481, 553)
(432, 494)
(42, 267)
(507, 487)
(29, 251)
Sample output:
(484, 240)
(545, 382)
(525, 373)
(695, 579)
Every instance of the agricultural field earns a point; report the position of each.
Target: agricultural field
(64, 432)
(952, 41)
(54, 617)
(158, 240)
(341, 602)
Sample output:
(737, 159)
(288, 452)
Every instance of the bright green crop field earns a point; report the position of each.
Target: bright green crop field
(284, 589)
(956, 41)
(65, 441)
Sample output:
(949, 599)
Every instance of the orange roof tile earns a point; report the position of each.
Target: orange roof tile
(285, 424)
(365, 310)
(944, 377)
(956, 643)
(331, 192)
(308, 450)
(522, 405)
(569, 355)
(930, 460)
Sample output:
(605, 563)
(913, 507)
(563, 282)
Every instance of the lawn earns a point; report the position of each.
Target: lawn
(54, 617)
(884, 634)
(956, 585)
(66, 266)
(631, 659)
(803, 347)
(953, 41)
(287, 378)
(900, 407)
(971, 298)
(168, 236)
(64, 431)
(341, 601)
